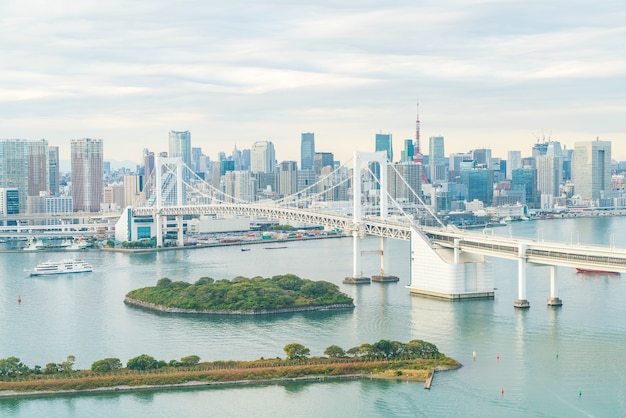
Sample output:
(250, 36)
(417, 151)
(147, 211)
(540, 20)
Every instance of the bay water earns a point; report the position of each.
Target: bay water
(542, 362)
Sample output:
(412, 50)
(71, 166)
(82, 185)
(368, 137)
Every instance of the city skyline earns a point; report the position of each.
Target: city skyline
(492, 75)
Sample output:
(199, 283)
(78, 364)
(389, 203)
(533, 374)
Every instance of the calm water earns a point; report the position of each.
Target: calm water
(84, 315)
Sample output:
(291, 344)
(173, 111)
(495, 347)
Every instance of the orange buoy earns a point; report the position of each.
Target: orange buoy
(502, 391)
(19, 299)
(497, 356)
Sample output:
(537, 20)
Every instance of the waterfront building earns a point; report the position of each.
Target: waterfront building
(514, 161)
(287, 178)
(262, 157)
(9, 201)
(53, 170)
(307, 150)
(479, 182)
(455, 161)
(87, 174)
(24, 166)
(384, 143)
(592, 168)
(437, 160)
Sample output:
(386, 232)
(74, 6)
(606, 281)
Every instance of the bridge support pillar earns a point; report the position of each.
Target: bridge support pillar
(521, 301)
(179, 231)
(356, 277)
(554, 299)
(159, 230)
(382, 277)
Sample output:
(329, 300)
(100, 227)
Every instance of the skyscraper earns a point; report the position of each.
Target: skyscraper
(384, 143)
(180, 146)
(406, 155)
(514, 161)
(87, 174)
(288, 178)
(437, 160)
(592, 168)
(548, 174)
(307, 150)
(24, 166)
(53, 176)
(262, 157)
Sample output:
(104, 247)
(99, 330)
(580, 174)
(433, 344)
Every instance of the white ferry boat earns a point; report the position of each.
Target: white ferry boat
(61, 267)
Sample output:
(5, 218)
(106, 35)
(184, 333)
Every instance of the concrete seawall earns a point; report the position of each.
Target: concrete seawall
(161, 308)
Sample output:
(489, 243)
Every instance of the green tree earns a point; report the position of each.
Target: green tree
(142, 362)
(191, 360)
(334, 351)
(106, 365)
(164, 282)
(296, 351)
(52, 368)
(13, 367)
(66, 366)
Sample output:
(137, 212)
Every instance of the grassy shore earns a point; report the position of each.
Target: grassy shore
(207, 374)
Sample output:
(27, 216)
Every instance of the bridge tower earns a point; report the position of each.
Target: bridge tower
(161, 163)
(359, 159)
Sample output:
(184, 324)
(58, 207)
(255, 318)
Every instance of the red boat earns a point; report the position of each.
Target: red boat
(591, 271)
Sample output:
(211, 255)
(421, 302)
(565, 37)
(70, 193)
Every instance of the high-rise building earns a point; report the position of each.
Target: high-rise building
(9, 201)
(384, 143)
(526, 179)
(514, 161)
(262, 157)
(24, 166)
(240, 185)
(180, 146)
(408, 152)
(404, 181)
(479, 182)
(548, 174)
(437, 160)
(592, 168)
(482, 156)
(87, 174)
(287, 178)
(307, 150)
(321, 160)
(53, 172)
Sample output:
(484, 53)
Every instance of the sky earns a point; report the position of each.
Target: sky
(501, 74)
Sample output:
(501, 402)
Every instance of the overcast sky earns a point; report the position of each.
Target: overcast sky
(497, 74)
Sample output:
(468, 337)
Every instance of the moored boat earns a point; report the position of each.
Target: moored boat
(61, 267)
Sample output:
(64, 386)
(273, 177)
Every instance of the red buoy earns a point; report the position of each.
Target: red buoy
(502, 391)
(19, 299)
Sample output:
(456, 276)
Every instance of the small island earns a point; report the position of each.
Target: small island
(240, 296)
(416, 360)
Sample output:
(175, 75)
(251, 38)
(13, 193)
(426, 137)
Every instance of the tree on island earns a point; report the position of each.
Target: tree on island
(334, 351)
(296, 351)
(106, 365)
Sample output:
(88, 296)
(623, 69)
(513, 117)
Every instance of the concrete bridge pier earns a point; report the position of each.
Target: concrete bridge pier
(382, 277)
(554, 299)
(179, 231)
(357, 274)
(159, 230)
(521, 301)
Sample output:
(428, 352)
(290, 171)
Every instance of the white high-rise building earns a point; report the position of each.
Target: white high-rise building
(513, 162)
(592, 168)
(548, 174)
(262, 157)
(288, 178)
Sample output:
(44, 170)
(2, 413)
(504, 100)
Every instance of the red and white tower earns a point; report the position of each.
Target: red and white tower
(417, 153)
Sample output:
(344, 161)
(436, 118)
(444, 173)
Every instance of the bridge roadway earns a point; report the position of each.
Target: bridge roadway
(538, 252)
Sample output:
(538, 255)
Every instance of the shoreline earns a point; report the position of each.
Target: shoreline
(165, 309)
(196, 384)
